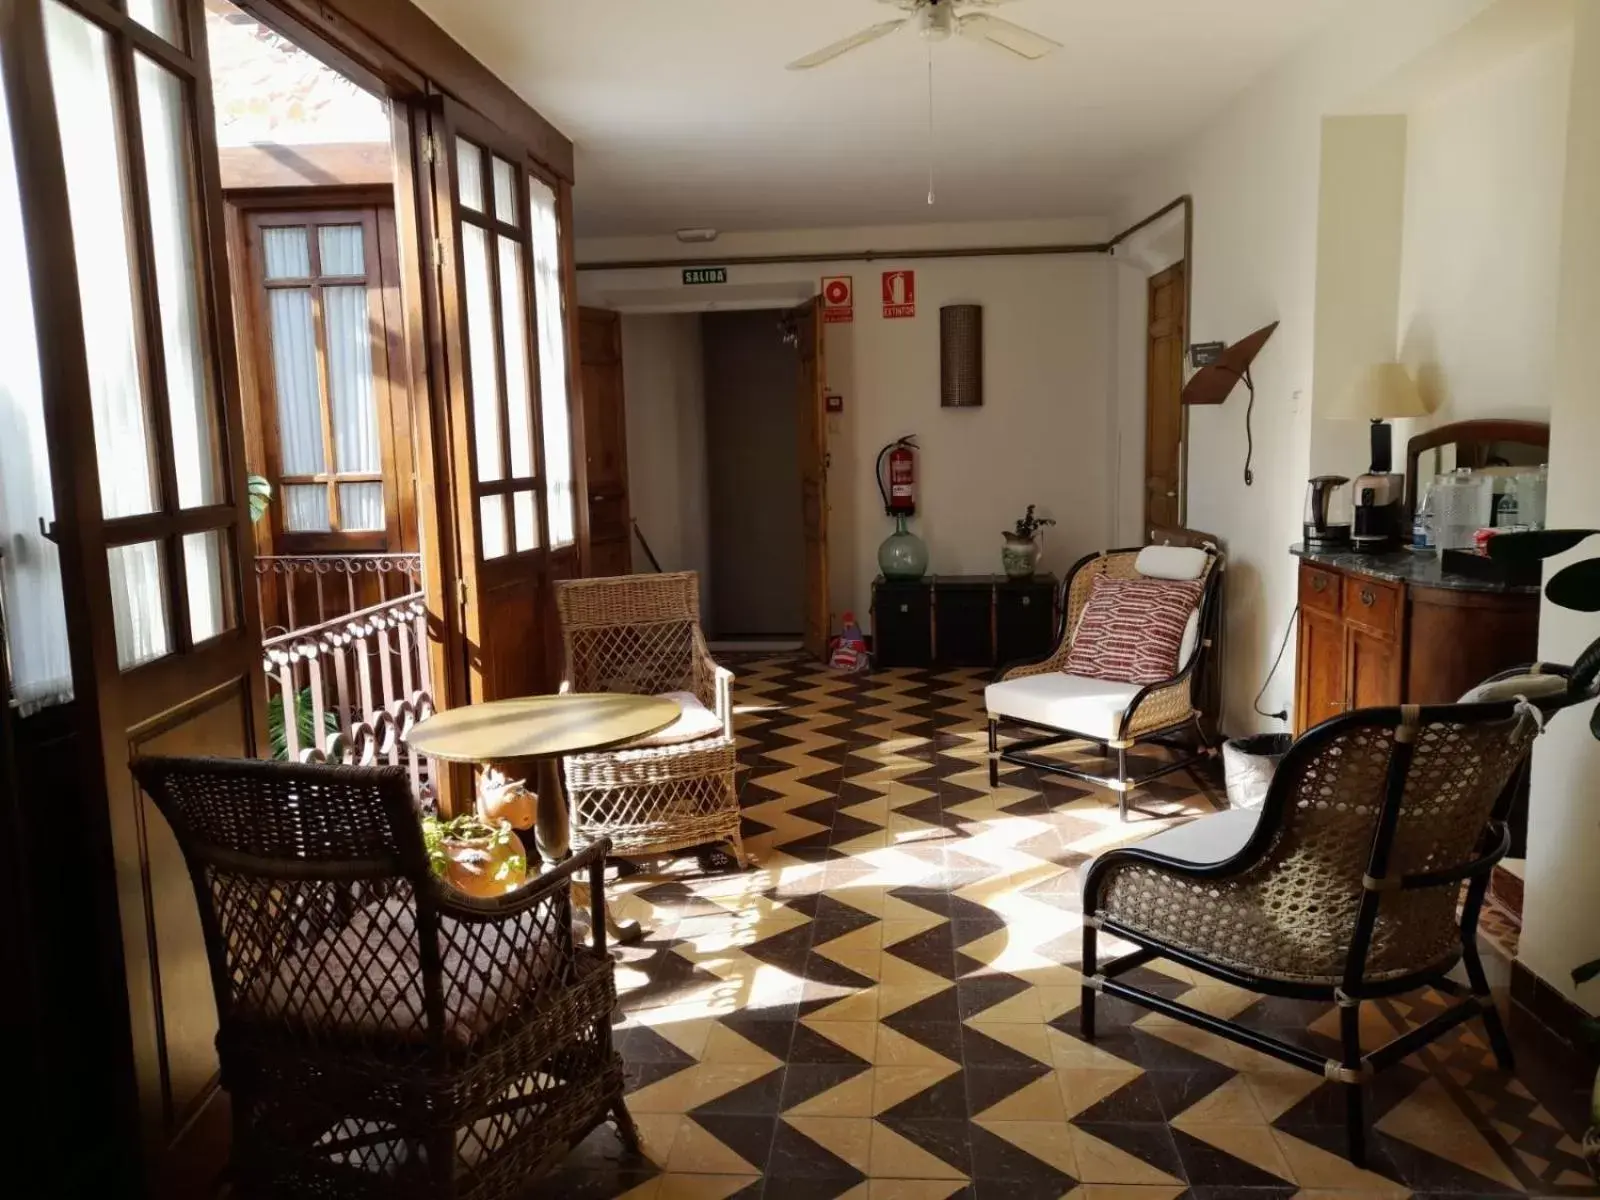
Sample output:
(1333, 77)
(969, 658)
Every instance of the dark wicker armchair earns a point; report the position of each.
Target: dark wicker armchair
(379, 1033)
(1361, 877)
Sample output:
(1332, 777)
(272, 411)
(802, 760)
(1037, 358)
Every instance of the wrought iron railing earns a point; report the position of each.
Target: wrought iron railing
(310, 589)
(350, 689)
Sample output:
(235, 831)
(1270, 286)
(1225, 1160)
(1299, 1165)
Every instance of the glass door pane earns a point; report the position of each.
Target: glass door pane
(80, 75)
(549, 302)
(483, 358)
(191, 394)
(31, 601)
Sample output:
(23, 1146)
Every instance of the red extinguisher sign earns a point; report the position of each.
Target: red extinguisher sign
(899, 294)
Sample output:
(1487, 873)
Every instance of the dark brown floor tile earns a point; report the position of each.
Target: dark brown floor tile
(1149, 1142)
(946, 1140)
(1205, 1165)
(996, 1160)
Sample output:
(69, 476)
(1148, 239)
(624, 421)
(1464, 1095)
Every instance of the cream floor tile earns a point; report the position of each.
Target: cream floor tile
(1101, 1162)
(697, 1152)
(700, 1187)
(852, 1098)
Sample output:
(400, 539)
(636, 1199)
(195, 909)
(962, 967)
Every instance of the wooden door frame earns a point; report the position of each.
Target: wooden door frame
(811, 312)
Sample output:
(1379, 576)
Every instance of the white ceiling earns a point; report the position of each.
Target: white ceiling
(683, 114)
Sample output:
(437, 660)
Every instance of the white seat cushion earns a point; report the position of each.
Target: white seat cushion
(695, 721)
(1054, 700)
(1211, 839)
(1532, 686)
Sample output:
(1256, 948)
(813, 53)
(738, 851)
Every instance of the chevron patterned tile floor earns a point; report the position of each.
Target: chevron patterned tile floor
(884, 1006)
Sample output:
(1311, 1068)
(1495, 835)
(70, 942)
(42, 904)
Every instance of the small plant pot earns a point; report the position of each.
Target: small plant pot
(487, 864)
(1019, 557)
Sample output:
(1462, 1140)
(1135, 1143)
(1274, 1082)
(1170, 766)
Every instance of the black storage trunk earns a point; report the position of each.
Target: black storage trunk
(962, 621)
(902, 626)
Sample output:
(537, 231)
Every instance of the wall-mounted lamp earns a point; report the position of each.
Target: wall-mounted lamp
(961, 356)
(1212, 384)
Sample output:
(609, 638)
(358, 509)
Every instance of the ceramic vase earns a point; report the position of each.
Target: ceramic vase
(1019, 556)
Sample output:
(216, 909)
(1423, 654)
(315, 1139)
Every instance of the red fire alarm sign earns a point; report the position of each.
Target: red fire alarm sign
(838, 299)
(899, 293)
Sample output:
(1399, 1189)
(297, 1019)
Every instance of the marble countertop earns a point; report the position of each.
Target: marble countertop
(1408, 566)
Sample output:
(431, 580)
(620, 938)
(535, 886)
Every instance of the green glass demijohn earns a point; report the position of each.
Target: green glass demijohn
(903, 555)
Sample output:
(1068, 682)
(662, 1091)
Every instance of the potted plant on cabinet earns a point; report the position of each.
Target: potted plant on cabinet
(1020, 554)
(1575, 587)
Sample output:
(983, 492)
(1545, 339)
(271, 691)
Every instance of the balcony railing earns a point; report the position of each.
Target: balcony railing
(310, 589)
(351, 688)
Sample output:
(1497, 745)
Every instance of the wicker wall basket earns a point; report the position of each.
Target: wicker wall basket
(961, 356)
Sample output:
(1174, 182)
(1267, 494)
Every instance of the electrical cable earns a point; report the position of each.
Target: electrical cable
(1249, 439)
(1276, 663)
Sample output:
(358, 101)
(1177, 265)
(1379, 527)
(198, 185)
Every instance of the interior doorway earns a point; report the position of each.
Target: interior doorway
(752, 428)
(723, 462)
(1164, 351)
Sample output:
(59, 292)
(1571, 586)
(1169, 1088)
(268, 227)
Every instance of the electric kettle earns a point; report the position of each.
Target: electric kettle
(1328, 513)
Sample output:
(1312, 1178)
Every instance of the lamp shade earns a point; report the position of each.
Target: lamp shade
(1380, 392)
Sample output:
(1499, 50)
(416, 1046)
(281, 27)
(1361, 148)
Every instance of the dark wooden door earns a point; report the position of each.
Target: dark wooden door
(1321, 668)
(1163, 430)
(811, 396)
(112, 130)
(605, 442)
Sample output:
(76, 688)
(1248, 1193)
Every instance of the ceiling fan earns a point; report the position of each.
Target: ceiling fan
(937, 20)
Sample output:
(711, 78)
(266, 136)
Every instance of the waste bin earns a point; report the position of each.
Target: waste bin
(1248, 764)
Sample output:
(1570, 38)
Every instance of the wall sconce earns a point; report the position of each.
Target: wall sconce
(961, 356)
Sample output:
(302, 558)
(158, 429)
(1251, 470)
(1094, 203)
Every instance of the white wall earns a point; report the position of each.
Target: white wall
(1254, 175)
(662, 375)
(1485, 164)
(1562, 897)
(1046, 434)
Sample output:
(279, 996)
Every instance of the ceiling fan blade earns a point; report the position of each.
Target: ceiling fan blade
(997, 31)
(829, 53)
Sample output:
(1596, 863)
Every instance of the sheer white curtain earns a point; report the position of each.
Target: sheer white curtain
(548, 298)
(30, 567)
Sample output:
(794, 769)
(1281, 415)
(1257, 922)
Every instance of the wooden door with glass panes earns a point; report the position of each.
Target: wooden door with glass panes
(111, 123)
(509, 413)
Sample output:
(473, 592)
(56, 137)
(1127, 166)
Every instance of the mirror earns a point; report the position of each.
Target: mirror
(1475, 444)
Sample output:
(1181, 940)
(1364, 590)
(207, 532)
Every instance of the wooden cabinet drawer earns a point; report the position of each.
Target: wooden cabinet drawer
(1319, 589)
(1372, 605)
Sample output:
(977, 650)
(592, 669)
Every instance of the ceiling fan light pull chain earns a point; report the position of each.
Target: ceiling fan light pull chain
(930, 123)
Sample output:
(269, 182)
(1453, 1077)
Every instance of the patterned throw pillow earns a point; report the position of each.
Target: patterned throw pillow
(1131, 629)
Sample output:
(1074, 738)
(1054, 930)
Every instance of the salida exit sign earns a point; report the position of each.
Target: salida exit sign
(694, 275)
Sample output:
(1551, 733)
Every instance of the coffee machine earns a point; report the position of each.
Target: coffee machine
(1327, 515)
(1379, 513)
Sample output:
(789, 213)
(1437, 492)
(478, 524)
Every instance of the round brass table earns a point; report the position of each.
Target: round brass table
(541, 730)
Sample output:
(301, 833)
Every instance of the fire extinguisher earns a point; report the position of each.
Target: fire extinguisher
(898, 485)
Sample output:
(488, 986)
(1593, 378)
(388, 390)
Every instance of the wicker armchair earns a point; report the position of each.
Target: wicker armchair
(673, 790)
(1040, 696)
(379, 1033)
(1343, 887)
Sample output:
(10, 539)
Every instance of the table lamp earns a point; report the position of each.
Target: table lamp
(1380, 392)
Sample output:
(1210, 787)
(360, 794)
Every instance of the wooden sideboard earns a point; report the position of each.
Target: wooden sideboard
(1396, 629)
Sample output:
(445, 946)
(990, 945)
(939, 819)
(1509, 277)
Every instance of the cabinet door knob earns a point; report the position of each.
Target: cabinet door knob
(1319, 583)
(1367, 598)
(1027, 600)
(905, 608)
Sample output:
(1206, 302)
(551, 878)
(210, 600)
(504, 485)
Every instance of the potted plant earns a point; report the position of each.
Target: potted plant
(476, 857)
(1576, 587)
(503, 799)
(1020, 554)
